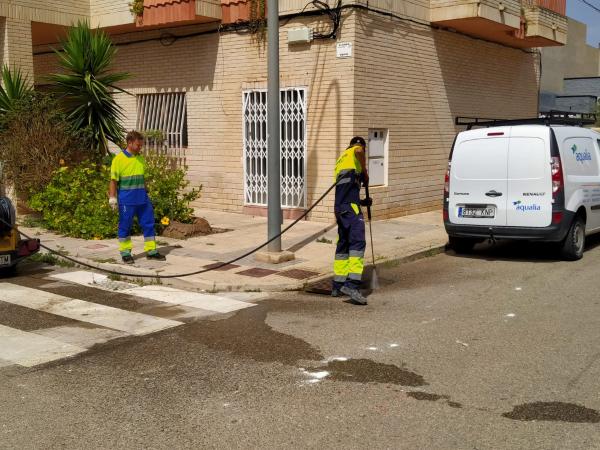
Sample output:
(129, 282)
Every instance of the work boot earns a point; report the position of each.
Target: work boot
(336, 293)
(127, 259)
(156, 256)
(355, 296)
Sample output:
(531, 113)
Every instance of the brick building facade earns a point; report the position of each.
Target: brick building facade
(399, 76)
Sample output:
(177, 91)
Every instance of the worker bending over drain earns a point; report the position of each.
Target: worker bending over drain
(350, 172)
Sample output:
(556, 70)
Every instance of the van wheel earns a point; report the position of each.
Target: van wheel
(574, 243)
(461, 245)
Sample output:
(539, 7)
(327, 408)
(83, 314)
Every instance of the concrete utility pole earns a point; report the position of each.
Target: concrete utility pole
(273, 127)
(274, 254)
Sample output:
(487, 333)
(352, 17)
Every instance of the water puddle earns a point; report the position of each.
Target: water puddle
(553, 411)
(246, 334)
(367, 371)
(418, 395)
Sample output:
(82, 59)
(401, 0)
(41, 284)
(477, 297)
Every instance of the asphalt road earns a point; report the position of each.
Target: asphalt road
(497, 350)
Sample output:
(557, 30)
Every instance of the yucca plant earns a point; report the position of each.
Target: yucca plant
(15, 87)
(87, 85)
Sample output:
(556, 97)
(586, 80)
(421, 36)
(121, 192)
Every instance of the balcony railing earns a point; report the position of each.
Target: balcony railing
(558, 6)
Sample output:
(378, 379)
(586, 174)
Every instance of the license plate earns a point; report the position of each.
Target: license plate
(4, 260)
(467, 212)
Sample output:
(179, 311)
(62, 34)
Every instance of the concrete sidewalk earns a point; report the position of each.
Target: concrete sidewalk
(312, 242)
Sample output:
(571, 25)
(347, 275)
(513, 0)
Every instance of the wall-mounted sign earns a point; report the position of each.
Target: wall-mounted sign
(344, 50)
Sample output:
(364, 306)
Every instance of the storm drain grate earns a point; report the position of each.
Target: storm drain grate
(257, 273)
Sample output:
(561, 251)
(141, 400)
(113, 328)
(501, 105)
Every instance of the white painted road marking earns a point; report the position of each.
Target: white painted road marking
(30, 349)
(105, 316)
(81, 336)
(206, 302)
(4, 363)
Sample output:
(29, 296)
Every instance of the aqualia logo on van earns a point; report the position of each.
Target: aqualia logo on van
(519, 206)
(581, 156)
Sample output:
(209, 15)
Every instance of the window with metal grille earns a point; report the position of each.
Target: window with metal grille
(166, 113)
(293, 147)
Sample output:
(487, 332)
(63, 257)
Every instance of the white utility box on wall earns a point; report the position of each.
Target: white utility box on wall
(302, 35)
(377, 153)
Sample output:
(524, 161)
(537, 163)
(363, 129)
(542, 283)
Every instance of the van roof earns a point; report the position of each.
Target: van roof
(559, 129)
(553, 118)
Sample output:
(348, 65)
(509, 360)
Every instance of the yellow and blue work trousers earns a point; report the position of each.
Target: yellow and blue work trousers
(350, 252)
(145, 215)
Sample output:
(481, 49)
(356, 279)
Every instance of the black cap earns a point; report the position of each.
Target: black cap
(358, 140)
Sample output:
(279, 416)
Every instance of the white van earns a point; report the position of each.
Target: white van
(524, 181)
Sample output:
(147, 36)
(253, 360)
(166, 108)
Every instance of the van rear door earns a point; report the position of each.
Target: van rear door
(478, 177)
(529, 177)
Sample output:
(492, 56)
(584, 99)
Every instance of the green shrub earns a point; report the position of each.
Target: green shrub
(168, 189)
(75, 203)
(137, 8)
(35, 137)
(15, 87)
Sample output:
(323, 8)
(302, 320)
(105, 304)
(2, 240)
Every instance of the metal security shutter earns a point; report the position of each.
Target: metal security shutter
(293, 147)
(166, 113)
(255, 147)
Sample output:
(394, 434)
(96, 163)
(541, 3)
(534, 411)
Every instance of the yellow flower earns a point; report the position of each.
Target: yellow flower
(165, 221)
(62, 162)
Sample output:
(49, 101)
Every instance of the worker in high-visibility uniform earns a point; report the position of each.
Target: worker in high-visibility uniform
(127, 192)
(350, 173)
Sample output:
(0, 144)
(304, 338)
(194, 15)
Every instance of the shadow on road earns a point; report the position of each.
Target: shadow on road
(521, 251)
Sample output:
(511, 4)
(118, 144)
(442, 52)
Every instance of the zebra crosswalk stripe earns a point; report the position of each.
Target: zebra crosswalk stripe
(106, 316)
(29, 349)
(206, 302)
(81, 336)
(95, 323)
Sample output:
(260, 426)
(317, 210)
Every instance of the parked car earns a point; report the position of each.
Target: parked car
(524, 180)
(13, 249)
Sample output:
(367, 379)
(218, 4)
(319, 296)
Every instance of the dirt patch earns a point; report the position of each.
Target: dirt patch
(178, 230)
(199, 227)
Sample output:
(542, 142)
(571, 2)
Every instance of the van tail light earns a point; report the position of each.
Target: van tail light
(557, 217)
(557, 176)
(446, 216)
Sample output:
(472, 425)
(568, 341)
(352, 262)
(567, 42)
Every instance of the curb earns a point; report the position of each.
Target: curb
(216, 287)
(389, 262)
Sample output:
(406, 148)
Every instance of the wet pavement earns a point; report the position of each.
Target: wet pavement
(499, 349)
